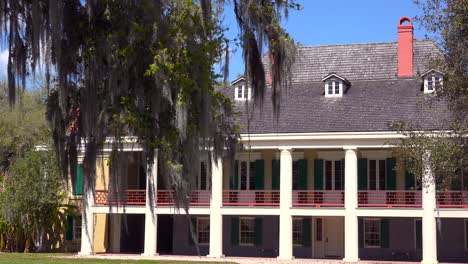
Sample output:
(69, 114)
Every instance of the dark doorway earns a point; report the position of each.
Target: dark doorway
(165, 223)
(132, 233)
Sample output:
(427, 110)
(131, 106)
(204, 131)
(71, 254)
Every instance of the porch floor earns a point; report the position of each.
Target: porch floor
(240, 260)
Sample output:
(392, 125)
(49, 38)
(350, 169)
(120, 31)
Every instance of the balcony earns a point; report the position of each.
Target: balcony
(138, 197)
(308, 198)
(452, 199)
(251, 198)
(390, 199)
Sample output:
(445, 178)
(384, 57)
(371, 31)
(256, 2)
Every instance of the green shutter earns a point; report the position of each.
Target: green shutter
(418, 231)
(259, 174)
(344, 173)
(409, 181)
(306, 232)
(234, 181)
(318, 174)
(362, 174)
(391, 174)
(302, 174)
(78, 186)
(258, 231)
(384, 233)
(69, 228)
(194, 226)
(275, 174)
(235, 231)
(360, 232)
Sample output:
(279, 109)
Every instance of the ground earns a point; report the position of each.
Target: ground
(14, 258)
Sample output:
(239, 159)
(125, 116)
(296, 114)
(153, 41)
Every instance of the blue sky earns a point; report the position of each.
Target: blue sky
(326, 22)
(338, 22)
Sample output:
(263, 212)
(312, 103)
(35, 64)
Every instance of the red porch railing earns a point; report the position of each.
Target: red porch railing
(251, 198)
(197, 198)
(452, 199)
(130, 197)
(309, 198)
(389, 199)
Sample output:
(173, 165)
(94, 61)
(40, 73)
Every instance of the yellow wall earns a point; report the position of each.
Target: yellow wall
(100, 220)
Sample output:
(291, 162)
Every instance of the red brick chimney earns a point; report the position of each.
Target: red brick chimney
(405, 47)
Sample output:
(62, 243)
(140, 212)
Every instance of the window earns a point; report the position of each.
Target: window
(295, 175)
(203, 230)
(377, 174)
(77, 228)
(333, 88)
(247, 231)
(372, 233)
(432, 82)
(334, 175)
(247, 175)
(242, 93)
(318, 229)
(297, 231)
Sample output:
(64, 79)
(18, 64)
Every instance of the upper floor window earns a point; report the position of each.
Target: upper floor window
(433, 81)
(242, 93)
(335, 85)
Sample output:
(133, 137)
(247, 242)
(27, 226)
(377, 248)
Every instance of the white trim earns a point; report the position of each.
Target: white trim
(243, 97)
(377, 174)
(241, 78)
(430, 71)
(333, 174)
(433, 79)
(334, 82)
(334, 75)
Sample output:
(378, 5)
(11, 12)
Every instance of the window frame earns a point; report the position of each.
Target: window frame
(333, 88)
(333, 174)
(432, 77)
(377, 174)
(364, 223)
(299, 232)
(252, 219)
(76, 227)
(199, 219)
(246, 93)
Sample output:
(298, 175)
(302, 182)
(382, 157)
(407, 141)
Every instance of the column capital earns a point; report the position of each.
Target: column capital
(350, 148)
(285, 149)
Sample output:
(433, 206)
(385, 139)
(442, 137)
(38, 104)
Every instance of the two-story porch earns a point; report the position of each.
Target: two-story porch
(389, 207)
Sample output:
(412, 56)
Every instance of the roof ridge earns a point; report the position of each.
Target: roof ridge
(363, 43)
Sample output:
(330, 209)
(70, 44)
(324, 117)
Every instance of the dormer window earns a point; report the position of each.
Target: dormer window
(433, 81)
(335, 85)
(242, 93)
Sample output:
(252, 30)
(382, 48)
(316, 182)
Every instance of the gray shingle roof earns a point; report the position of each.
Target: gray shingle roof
(371, 61)
(375, 99)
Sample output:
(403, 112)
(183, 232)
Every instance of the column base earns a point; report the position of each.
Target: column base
(149, 255)
(80, 253)
(429, 262)
(285, 258)
(215, 256)
(351, 260)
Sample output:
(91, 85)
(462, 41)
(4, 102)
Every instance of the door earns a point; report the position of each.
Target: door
(334, 237)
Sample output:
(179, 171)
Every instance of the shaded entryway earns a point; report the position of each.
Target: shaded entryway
(132, 233)
(165, 234)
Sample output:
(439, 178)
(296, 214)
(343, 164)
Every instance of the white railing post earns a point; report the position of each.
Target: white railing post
(285, 226)
(216, 219)
(351, 202)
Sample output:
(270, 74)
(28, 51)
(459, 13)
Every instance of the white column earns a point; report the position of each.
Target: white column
(351, 203)
(216, 219)
(87, 221)
(429, 228)
(151, 219)
(285, 227)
